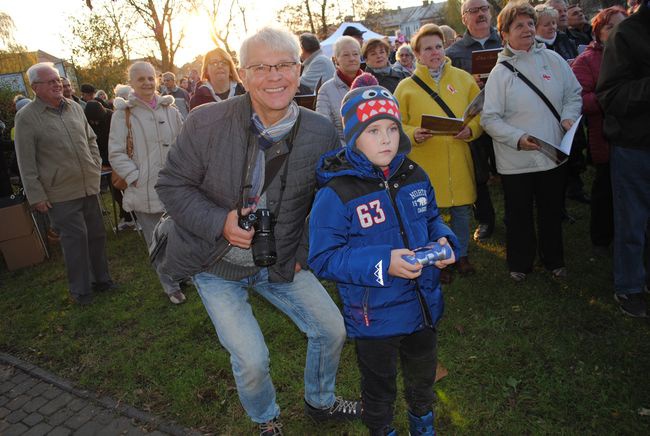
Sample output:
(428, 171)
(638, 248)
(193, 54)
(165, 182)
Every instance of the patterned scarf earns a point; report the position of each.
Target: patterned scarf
(266, 137)
(276, 132)
(435, 74)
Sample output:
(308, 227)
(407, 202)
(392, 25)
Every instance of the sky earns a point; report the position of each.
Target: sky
(41, 24)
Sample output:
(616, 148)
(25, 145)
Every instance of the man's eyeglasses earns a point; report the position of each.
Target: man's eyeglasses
(473, 11)
(222, 64)
(262, 69)
(50, 82)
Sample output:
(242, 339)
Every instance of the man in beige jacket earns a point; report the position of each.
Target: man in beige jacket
(60, 169)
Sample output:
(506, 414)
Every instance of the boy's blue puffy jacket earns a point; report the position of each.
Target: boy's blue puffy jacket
(357, 218)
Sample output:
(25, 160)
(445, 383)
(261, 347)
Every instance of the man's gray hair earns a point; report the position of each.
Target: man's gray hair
(463, 5)
(273, 39)
(169, 75)
(342, 42)
(33, 73)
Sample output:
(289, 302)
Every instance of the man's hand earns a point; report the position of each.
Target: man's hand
(527, 143)
(401, 268)
(43, 206)
(567, 124)
(234, 234)
(420, 135)
(297, 268)
(466, 133)
(446, 262)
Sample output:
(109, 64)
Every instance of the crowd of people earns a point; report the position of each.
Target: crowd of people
(238, 188)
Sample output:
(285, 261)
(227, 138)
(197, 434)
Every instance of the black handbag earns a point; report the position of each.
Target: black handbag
(477, 148)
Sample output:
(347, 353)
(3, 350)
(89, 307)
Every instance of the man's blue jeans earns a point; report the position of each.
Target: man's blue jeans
(630, 171)
(308, 305)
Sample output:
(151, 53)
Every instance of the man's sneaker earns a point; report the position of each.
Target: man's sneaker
(177, 297)
(123, 225)
(271, 428)
(517, 276)
(339, 411)
(483, 232)
(559, 273)
(632, 304)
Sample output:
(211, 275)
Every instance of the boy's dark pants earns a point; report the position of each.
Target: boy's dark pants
(378, 365)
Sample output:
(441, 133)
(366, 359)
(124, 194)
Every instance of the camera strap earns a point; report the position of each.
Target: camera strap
(271, 168)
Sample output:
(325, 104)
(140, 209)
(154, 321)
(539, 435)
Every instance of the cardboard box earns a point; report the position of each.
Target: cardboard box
(23, 251)
(16, 222)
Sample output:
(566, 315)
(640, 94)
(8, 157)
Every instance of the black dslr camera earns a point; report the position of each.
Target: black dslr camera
(262, 221)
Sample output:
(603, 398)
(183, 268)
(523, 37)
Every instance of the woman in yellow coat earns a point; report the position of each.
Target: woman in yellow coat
(446, 159)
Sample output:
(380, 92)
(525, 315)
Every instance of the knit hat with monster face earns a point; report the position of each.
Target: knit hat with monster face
(363, 106)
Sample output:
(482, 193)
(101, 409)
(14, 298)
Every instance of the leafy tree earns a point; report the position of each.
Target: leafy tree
(158, 19)
(100, 41)
(7, 40)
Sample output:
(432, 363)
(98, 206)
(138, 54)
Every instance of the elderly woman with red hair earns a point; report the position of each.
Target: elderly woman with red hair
(586, 67)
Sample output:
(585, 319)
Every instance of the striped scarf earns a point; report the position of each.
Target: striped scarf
(276, 132)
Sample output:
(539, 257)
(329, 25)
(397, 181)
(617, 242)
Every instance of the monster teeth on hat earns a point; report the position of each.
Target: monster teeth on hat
(371, 103)
(382, 110)
(364, 117)
(373, 113)
(362, 105)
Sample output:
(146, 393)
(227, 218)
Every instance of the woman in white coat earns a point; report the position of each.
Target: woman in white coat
(154, 123)
(347, 54)
(514, 115)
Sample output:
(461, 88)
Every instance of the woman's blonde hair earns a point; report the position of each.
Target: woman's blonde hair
(426, 30)
(223, 54)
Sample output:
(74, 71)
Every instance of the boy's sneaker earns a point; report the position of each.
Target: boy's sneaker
(632, 304)
(339, 411)
(271, 428)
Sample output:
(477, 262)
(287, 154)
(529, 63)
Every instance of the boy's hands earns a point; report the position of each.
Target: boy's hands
(443, 263)
(401, 268)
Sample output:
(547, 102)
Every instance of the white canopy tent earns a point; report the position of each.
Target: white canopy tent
(326, 45)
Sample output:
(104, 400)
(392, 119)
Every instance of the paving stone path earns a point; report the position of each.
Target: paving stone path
(35, 402)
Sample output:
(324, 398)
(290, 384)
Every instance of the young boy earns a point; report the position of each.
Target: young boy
(375, 204)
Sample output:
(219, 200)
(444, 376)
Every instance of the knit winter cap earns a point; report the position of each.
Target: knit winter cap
(364, 105)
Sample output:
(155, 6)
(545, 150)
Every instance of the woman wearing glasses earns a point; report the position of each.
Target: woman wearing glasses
(219, 79)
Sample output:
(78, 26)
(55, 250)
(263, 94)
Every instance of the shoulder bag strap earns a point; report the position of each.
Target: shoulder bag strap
(434, 96)
(129, 134)
(530, 84)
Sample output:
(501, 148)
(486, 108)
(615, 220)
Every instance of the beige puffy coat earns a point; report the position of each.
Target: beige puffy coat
(154, 131)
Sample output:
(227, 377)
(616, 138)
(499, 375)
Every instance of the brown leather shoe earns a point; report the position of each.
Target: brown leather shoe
(446, 276)
(464, 267)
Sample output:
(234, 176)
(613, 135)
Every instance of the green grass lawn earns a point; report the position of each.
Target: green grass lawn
(540, 357)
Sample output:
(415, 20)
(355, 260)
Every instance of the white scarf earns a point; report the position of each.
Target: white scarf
(208, 85)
